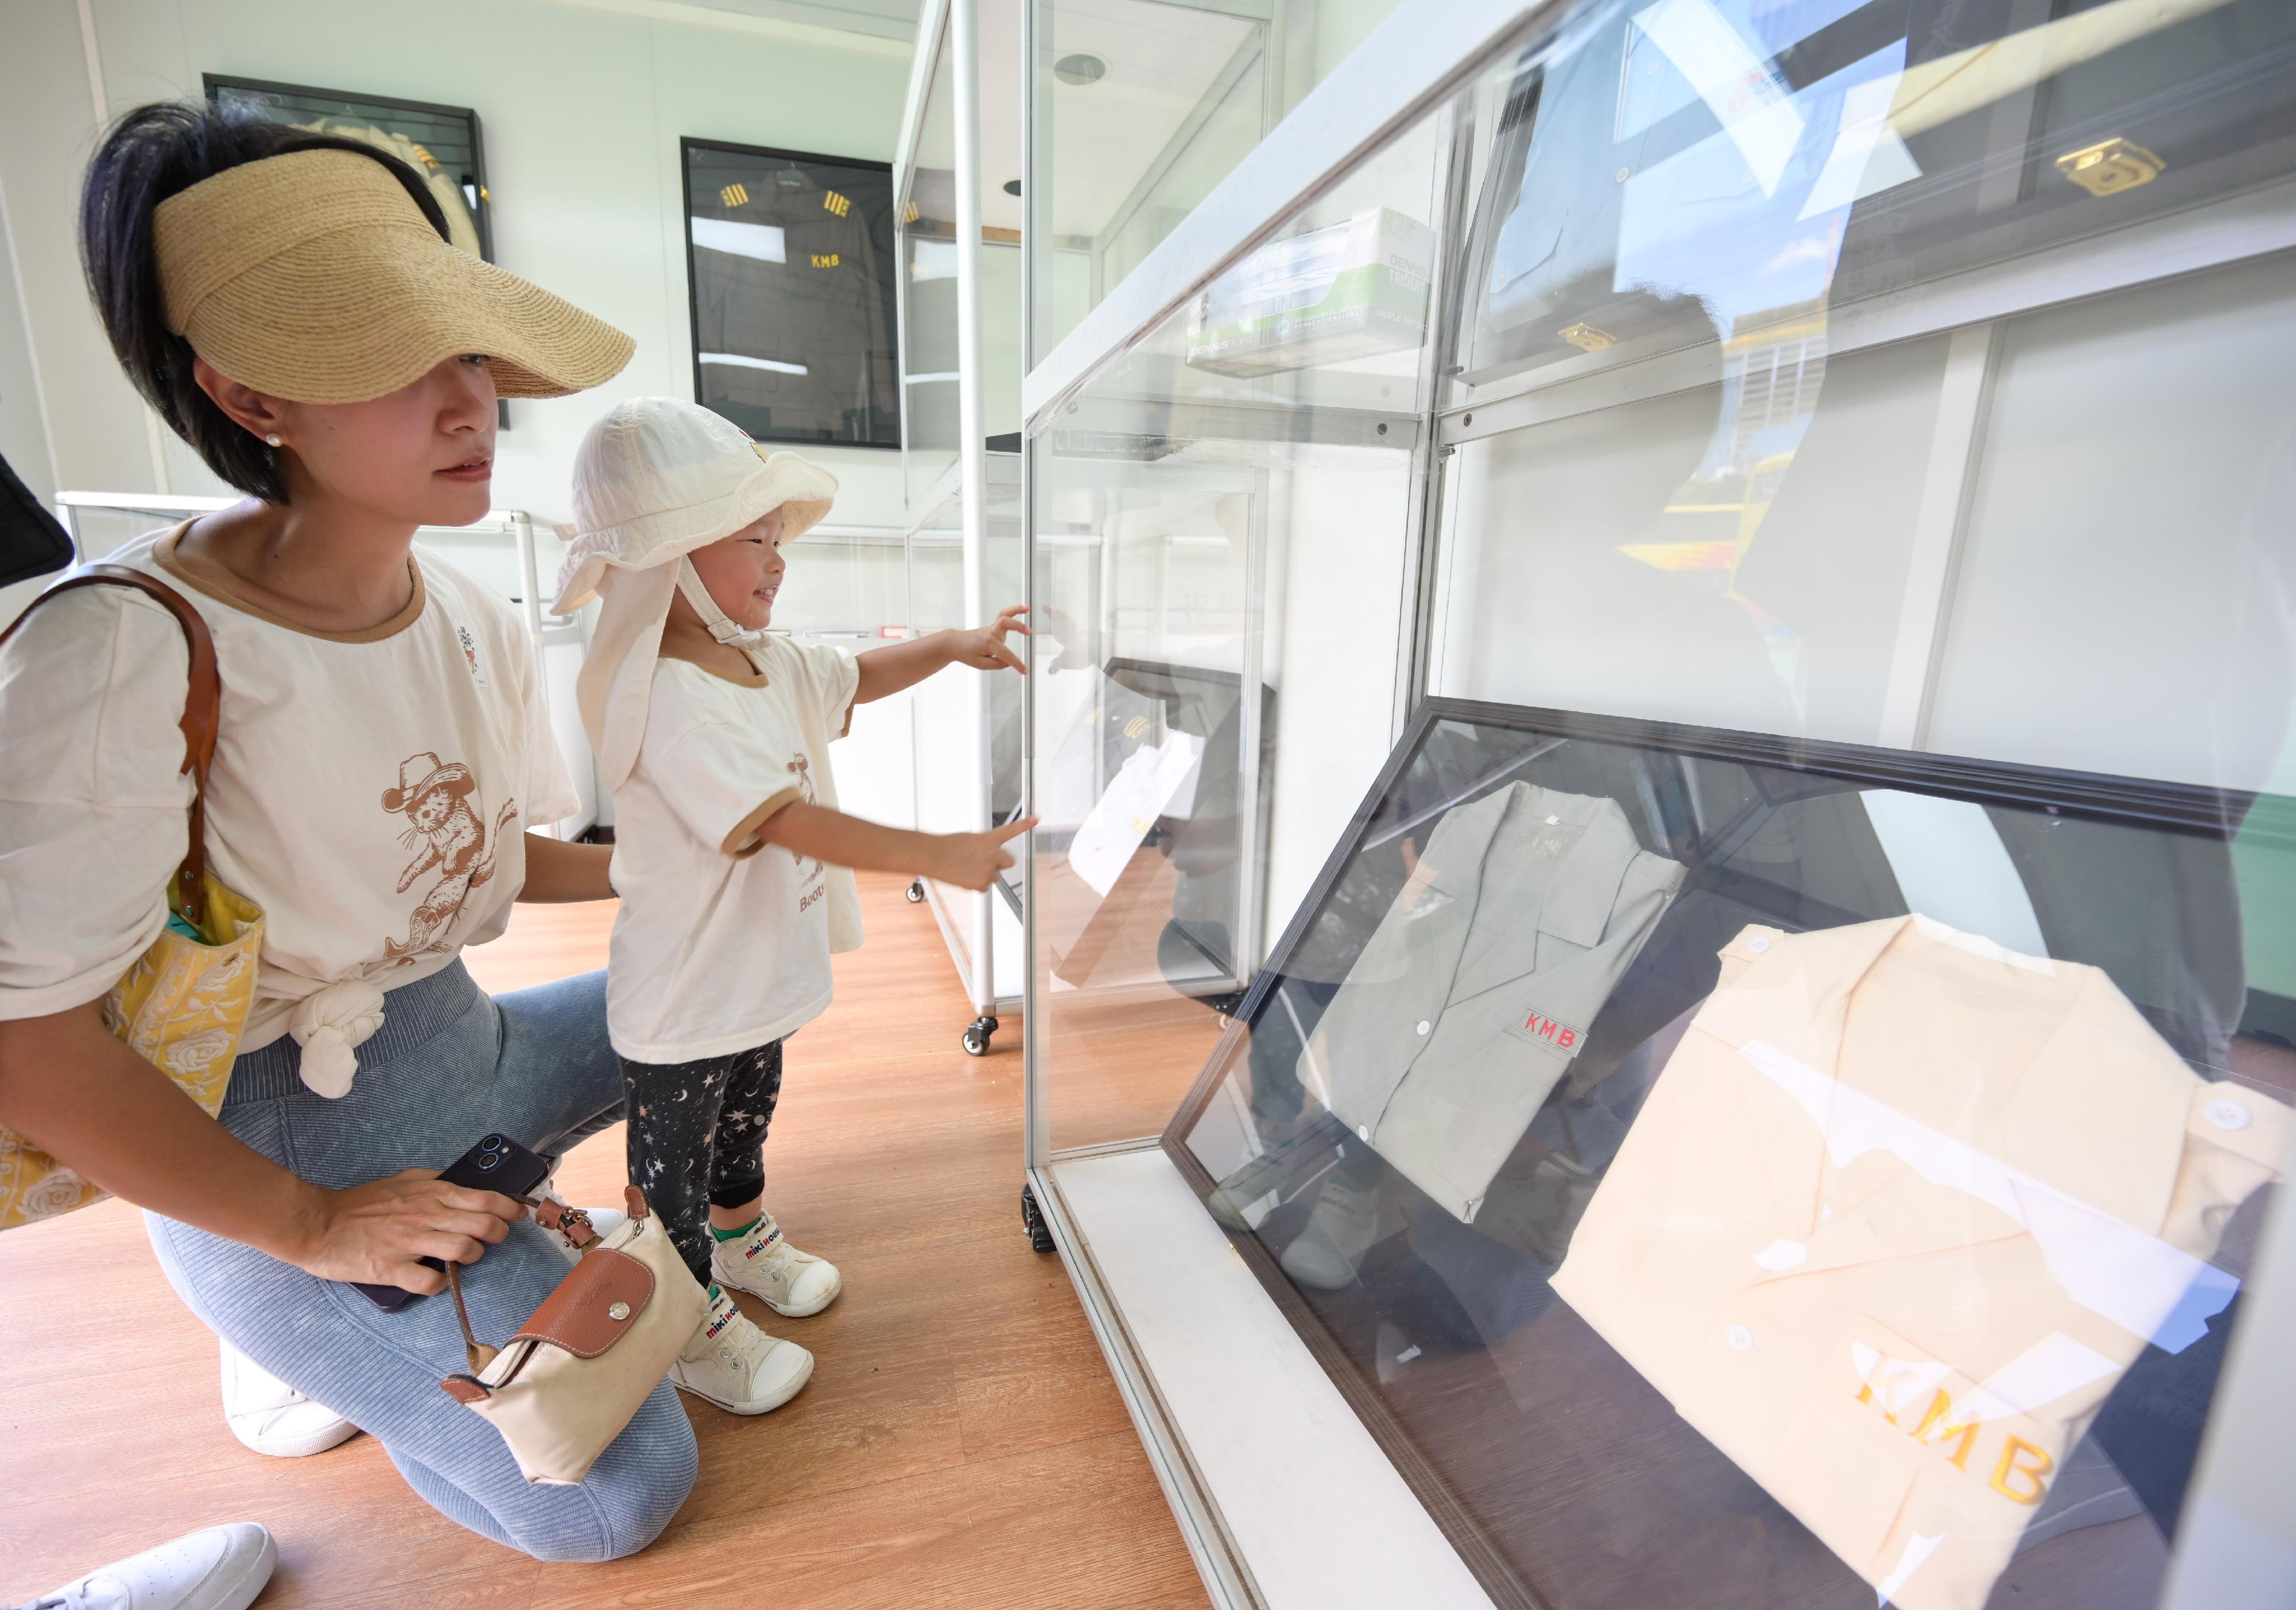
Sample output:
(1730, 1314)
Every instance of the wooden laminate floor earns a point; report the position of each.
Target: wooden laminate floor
(961, 1442)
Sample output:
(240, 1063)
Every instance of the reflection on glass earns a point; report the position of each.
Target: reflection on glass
(842, 587)
(945, 722)
(1855, 1161)
(1144, 105)
(1220, 523)
(1737, 203)
(928, 292)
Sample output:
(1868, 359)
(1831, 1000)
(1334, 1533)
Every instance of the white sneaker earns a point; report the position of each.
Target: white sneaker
(1340, 1231)
(271, 1416)
(763, 1264)
(736, 1366)
(221, 1568)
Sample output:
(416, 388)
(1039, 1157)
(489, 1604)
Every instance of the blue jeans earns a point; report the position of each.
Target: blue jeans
(449, 1063)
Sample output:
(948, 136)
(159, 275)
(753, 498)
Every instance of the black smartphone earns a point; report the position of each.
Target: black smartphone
(496, 1163)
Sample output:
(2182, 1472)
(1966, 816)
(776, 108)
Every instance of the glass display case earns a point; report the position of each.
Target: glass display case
(1663, 934)
(959, 302)
(1141, 106)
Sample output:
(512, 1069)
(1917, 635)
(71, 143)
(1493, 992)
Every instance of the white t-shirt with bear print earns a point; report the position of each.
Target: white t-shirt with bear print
(370, 790)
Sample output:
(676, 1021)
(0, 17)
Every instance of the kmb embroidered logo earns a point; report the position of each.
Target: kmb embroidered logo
(1562, 1036)
(1894, 1385)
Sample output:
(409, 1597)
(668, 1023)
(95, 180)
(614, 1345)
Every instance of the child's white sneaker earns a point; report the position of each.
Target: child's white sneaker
(738, 1367)
(763, 1264)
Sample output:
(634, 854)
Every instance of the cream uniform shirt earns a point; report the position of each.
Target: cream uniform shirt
(723, 943)
(1900, 1209)
(370, 790)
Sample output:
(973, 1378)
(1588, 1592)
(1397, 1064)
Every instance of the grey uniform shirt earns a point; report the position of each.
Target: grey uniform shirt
(1478, 987)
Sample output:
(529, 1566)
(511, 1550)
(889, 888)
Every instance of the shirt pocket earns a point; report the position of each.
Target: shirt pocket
(1921, 1478)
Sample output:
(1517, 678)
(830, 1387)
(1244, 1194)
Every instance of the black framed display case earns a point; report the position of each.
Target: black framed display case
(441, 142)
(790, 290)
(1515, 1418)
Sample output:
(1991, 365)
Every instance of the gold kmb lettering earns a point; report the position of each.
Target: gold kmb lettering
(2010, 1467)
(1939, 1419)
(1888, 1377)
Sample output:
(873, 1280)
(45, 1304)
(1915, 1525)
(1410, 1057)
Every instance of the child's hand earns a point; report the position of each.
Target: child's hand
(971, 860)
(984, 649)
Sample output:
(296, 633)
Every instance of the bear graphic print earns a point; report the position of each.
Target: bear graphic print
(809, 871)
(454, 848)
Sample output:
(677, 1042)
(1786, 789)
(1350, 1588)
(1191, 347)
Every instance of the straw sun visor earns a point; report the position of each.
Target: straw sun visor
(314, 276)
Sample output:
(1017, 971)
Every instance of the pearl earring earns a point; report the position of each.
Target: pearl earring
(274, 440)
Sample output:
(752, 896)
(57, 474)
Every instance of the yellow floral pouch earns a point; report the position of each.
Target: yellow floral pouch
(182, 1005)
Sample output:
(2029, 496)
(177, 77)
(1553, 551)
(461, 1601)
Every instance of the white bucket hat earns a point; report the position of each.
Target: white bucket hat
(654, 480)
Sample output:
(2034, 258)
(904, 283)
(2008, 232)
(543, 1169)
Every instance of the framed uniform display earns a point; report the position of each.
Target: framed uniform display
(789, 272)
(1859, 1153)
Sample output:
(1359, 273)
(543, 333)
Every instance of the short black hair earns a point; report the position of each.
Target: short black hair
(148, 155)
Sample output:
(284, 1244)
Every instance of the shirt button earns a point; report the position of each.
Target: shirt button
(1425, 1025)
(1364, 1131)
(1758, 943)
(1739, 1337)
(2226, 1114)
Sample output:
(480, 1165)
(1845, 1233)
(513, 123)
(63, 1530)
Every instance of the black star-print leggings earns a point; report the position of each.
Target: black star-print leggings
(697, 1135)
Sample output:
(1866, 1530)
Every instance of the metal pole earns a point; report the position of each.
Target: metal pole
(1035, 1143)
(965, 76)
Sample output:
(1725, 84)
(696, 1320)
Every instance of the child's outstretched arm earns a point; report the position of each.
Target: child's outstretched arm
(898, 665)
(969, 860)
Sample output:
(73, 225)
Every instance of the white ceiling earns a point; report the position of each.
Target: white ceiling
(1162, 60)
(884, 19)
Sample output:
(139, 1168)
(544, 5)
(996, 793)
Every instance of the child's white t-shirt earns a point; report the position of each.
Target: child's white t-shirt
(723, 943)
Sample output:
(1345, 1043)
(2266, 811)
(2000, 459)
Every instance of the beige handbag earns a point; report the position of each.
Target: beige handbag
(567, 1384)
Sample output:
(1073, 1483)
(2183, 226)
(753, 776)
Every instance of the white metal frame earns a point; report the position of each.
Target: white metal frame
(953, 26)
(2241, 1550)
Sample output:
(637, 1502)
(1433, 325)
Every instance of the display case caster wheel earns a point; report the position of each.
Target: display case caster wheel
(976, 1036)
(1032, 1219)
(915, 891)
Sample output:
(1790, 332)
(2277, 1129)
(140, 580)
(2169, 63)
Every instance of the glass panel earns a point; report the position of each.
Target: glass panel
(1221, 520)
(1745, 1172)
(929, 294)
(2126, 589)
(944, 711)
(794, 319)
(1143, 106)
(1789, 442)
(844, 587)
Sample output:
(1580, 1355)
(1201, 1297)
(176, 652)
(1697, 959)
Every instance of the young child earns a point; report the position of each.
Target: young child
(731, 857)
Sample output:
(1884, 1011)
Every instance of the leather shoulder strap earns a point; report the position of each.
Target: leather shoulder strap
(202, 706)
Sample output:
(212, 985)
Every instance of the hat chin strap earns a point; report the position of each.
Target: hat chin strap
(721, 624)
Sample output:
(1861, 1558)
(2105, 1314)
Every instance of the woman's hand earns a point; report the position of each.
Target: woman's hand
(971, 860)
(374, 1233)
(985, 650)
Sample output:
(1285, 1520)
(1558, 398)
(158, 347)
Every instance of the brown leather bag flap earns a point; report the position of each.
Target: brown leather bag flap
(595, 1306)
